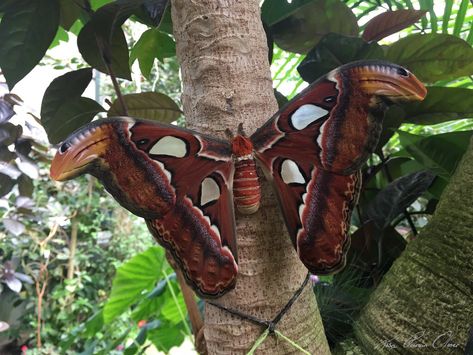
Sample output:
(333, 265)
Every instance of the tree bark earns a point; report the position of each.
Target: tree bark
(424, 304)
(226, 79)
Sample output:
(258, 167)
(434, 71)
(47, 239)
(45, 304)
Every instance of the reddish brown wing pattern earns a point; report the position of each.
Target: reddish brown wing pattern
(178, 180)
(323, 239)
(313, 148)
(199, 230)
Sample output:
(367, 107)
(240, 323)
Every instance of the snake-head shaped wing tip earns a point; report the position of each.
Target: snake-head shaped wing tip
(384, 79)
(78, 151)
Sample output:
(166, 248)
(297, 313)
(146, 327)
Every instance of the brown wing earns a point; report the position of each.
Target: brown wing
(313, 148)
(178, 180)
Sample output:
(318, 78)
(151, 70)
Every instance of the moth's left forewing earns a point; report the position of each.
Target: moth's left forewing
(200, 229)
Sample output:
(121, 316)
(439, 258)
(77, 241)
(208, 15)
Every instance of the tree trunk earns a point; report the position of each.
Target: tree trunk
(222, 50)
(424, 305)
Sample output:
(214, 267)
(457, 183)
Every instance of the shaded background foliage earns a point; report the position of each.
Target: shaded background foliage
(72, 240)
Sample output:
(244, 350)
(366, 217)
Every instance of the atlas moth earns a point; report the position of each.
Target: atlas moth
(185, 183)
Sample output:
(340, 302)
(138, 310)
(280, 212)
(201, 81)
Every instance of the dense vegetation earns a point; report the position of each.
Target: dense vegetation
(62, 245)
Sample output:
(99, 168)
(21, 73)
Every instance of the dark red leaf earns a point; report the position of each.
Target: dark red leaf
(390, 22)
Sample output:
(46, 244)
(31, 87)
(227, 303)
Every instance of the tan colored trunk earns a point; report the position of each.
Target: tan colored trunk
(425, 303)
(226, 80)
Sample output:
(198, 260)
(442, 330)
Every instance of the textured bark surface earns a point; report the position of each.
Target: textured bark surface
(222, 50)
(425, 303)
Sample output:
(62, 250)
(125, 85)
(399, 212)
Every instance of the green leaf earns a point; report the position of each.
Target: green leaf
(166, 336)
(393, 119)
(148, 307)
(166, 21)
(273, 11)
(397, 196)
(102, 41)
(440, 105)
(152, 44)
(149, 105)
(151, 12)
(71, 115)
(460, 18)
(140, 273)
(93, 324)
(447, 12)
(334, 50)
(25, 185)
(390, 22)
(172, 310)
(7, 5)
(141, 337)
(70, 12)
(26, 31)
(92, 52)
(63, 110)
(97, 4)
(6, 184)
(440, 153)
(433, 57)
(5, 154)
(62, 88)
(9, 133)
(61, 35)
(309, 23)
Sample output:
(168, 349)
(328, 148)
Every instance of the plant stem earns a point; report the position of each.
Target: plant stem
(40, 290)
(72, 249)
(117, 88)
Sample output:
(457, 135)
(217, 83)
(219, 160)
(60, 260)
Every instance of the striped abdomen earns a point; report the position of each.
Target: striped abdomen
(246, 188)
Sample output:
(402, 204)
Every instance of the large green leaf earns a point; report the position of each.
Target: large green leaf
(149, 105)
(390, 22)
(102, 41)
(440, 105)
(167, 336)
(393, 119)
(433, 57)
(63, 110)
(26, 31)
(309, 23)
(140, 273)
(397, 196)
(174, 309)
(62, 88)
(273, 11)
(155, 299)
(334, 50)
(92, 52)
(70, 12)
(71, 115)
(153, 44)
(6, 5)
(440, 153)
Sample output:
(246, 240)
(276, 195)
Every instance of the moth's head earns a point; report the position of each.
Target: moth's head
(81, 149)
(386, 80)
